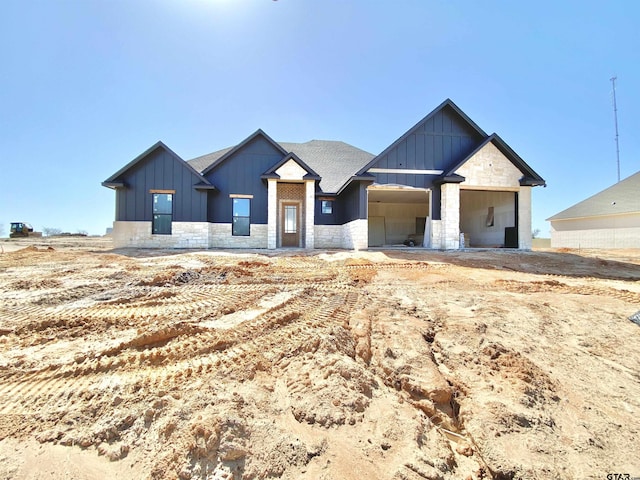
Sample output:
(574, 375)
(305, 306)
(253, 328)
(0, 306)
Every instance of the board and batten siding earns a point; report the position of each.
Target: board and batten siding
(437, 143)
(240, 174)
(160, 170)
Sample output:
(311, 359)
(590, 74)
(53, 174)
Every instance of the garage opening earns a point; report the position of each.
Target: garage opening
(489, 219)
(398, 215)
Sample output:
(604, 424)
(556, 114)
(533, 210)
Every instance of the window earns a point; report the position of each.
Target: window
(290, 218)
(241, 216)
(326, 207)
(162, 213)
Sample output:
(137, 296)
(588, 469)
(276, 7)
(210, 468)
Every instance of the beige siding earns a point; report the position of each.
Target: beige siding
(611, 231)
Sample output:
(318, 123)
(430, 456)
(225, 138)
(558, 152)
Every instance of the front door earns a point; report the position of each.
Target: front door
(290, 225)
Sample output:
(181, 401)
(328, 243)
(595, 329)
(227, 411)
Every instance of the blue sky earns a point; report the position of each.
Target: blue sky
(87, 85)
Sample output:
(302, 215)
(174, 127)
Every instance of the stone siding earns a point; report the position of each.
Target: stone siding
(489, 168)
(220, 236)
(450, 223)
(183, 235)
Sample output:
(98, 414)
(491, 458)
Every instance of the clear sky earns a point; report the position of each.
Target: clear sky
(87, 85)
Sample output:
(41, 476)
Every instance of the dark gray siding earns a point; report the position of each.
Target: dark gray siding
(438, 143)
(353, 202)
(240, 174)
(326, 219)
(160, 170)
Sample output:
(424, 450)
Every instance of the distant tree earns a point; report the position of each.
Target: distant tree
(82, 232)
(1, 229)
(535, 233)
(49, 231)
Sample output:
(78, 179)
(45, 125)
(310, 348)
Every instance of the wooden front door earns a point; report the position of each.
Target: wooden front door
(290, 225)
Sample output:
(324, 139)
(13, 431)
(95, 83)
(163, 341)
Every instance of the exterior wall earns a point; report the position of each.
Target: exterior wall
(436, 234)
(160, 170)
(291, 171)
(220, 236)
(138, 234)
(309, 212)
(355, 235)
(611, 231)
(329, 236)
(490, 168)
(439, 141)
(291, 192)
(450, 223)
(525, 237)
(272, 214)
(241, 174)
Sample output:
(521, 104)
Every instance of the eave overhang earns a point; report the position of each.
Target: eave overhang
(113, 185)
(204, 186)
(451, 178)
(532, 182)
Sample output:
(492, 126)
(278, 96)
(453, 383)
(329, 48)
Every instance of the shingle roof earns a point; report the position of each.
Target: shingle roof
(336, 162)
(623, 197)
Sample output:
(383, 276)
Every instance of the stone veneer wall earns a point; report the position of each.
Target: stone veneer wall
(525, 237)
(183, 235)
(353, 235)
(450, 223)
(187, 235)
(220, 236)
(436, 234)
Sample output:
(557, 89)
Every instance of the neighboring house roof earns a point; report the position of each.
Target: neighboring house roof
(529, 178)
(623, 197)
(335, 162)
(114, 180)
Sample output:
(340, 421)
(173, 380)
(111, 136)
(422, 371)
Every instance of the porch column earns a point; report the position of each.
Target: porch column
(272, 212)
(309, 209)
(450, 215)
(524, 218)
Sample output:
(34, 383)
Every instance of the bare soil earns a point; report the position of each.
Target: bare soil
(398, 364)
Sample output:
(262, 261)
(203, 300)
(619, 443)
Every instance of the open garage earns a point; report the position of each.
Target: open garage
(398, 214)
(489, 218)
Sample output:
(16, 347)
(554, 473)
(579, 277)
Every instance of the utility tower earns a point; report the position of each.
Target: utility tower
(615, 118)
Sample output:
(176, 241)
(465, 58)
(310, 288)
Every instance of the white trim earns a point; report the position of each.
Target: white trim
(405, 170)
(239, 195)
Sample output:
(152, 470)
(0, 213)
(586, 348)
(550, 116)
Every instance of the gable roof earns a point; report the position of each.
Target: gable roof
(448, 103)
(333, 161)
(623, 197)
(246, 141)
(113, 180)
(530, 177)
(311, 174)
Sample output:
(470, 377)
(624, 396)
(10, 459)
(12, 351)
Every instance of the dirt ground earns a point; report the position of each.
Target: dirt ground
(399, 364)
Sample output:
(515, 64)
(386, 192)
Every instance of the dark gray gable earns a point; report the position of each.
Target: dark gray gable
(233, 151)
(529, 176)
(116, 180)
(442, 138)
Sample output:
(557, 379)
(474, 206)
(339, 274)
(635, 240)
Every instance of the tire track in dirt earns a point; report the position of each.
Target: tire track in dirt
(189, 350)
(555, 286)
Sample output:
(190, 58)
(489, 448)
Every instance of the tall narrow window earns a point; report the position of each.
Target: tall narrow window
(290, 219)
(326, 207)
(241, 216)
(162, 213)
